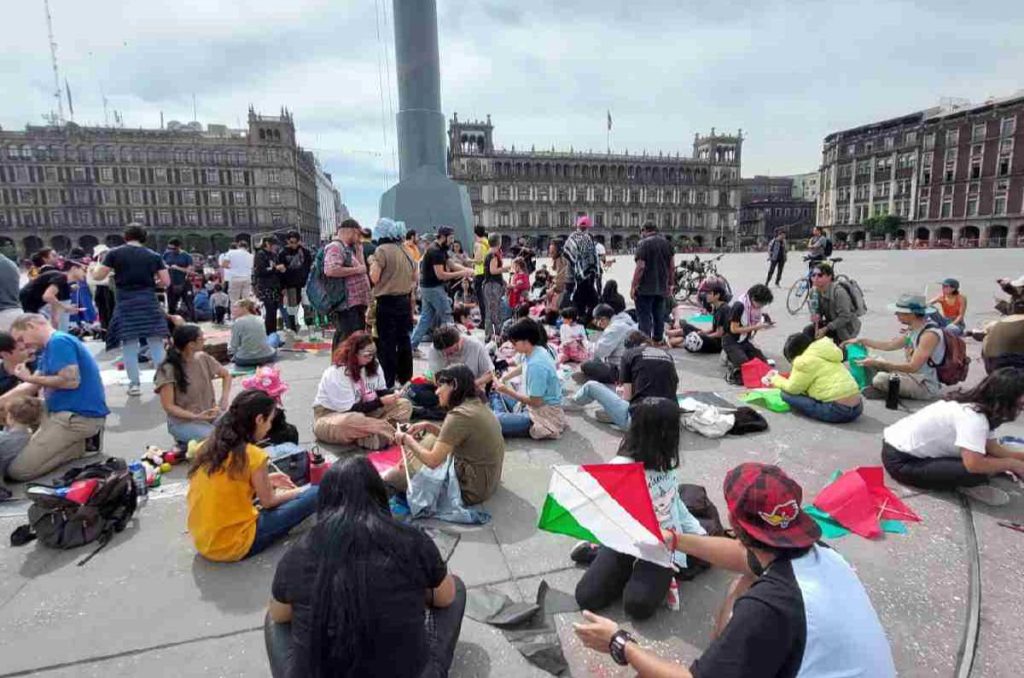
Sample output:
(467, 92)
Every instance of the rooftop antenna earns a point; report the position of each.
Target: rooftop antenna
(57, 94)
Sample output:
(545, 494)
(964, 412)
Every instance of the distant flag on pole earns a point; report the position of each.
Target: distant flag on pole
(71, 107)
(607, 504)
(609, 120)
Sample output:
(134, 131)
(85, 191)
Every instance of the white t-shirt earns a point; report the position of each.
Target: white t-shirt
(338, 392)
(941, 429)
(599, 248)
(569, 334)
(240, 264)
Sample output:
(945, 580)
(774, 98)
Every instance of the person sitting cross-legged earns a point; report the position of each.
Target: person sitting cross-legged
(353, 403)
(248, 346)
(798, 608)
(819, 386)
(604, 363)
(362, 594)
(536, 410)
(184, 382)
(951, 444)
(645, 371)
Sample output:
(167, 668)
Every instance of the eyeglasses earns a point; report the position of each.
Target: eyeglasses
(367, 354)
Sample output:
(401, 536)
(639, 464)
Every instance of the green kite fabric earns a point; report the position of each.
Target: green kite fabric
(770, 398)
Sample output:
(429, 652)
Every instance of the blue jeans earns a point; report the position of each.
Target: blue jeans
(830, 413)
(514, 424)
(651, 310)
(184, 431)
(616, 407)
(435, 310)
(272, 524)
(130, 351)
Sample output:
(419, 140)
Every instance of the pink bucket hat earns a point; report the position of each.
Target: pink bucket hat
(268, 380)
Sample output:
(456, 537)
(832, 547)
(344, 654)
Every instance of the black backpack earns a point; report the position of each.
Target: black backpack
(695, 497)
(61, 523)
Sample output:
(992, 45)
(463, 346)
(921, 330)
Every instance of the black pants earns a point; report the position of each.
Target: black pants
(651, 310)
(641, 584)
(775, 267)
(346, 323)
(443, 626)
(219, 313)
(601, 371)
(270, 309)
(740, 352)
(394, 327)
(710, 345)
(178, 295)
(478, 292)
(105, 305)
(939, 473)
(585, 297)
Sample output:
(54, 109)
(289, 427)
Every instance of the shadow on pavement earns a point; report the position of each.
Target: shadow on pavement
(234, 587)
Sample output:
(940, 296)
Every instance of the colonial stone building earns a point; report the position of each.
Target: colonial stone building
(71, 186)
(694, 200)
(955, 173)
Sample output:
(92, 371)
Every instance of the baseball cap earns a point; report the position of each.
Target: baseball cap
(445, 230)
(952, 282)
(765, 503)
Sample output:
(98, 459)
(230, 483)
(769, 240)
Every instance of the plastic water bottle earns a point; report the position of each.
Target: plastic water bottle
(139, 479)
(892, 398)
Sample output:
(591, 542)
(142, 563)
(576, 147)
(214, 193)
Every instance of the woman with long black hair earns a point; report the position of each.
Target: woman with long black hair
(184, 382)
(228, 473)
(951, 443)
(362, 594)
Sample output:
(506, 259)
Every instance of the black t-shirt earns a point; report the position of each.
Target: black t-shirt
(396, 641)
(434, 256)
(735, 314)
(264, 272)
(651, 371)
(31, 295)
(297, 263)
(721, 318)
(488, 276)
(767, 634)
(656, 253)
(134, 267)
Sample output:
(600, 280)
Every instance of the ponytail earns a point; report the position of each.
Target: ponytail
(182, 337)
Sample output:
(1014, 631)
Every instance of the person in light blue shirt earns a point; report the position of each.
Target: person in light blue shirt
(69, 379)
(535, 410)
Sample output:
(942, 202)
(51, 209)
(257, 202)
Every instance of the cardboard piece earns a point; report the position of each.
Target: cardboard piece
(770, 398)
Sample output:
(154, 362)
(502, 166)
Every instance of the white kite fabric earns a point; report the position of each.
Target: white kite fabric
(608, 504)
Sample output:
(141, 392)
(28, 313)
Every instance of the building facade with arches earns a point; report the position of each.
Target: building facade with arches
(954, 173)
(694, 200)
(74, 186)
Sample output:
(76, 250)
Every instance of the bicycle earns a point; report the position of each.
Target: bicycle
(690, 274)
(800, 291)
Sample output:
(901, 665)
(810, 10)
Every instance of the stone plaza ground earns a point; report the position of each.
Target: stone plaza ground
(147, 605)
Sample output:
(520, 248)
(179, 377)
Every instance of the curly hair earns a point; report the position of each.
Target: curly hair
(347, 355)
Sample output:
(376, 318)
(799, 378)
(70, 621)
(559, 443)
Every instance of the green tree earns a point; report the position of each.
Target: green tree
(883, 225)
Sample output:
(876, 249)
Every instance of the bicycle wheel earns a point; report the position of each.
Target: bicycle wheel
(797, 296)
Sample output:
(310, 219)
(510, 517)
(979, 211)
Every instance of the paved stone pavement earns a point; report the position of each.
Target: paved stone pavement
(147, 605)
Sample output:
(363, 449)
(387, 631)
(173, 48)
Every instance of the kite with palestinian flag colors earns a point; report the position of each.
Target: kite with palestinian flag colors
(607, 504)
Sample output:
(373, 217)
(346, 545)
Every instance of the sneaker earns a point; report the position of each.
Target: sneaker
(986, 494)
(583, 553)
(134, 390)
(770, 362)
(603, 417)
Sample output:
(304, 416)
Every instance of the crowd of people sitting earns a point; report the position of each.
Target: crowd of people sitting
(476, 390)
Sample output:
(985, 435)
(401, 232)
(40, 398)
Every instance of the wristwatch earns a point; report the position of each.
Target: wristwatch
(617, 646)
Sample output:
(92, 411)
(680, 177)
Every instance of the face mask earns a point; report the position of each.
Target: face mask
(754, 564)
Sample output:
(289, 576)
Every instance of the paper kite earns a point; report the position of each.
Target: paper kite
(858, 500)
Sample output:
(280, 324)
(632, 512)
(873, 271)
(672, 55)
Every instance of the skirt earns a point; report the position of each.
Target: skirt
(137, 314)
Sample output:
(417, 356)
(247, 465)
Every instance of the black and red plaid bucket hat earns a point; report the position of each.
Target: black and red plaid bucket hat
(765, 502)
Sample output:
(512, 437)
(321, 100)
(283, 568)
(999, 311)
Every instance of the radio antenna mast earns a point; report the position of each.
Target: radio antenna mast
(53, 58)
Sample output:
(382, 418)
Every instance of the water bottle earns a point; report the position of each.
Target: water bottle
(892, 397)
(139, 480)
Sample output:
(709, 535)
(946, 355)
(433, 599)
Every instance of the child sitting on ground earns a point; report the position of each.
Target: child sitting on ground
(573, 339)
(22, 418)
(462, 318)
(220, 302)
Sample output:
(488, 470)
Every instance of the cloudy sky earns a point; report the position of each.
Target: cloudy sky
(785, 71)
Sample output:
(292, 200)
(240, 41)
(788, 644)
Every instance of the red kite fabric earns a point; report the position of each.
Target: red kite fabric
(858, 500)
(385, 459)
(752, 371)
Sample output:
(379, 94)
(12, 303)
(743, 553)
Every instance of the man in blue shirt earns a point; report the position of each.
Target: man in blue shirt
(537, 410)
(69, 379)
(179, 264)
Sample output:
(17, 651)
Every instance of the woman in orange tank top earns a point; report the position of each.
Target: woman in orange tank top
(952, 304)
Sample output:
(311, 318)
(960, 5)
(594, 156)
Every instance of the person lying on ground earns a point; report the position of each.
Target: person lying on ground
(747, 318)
(451, 347)
(184, 382)
(69, 378)
(248, 346)
(536, 410)
(819, 385)
(21, 418)
(653, 440)
(353, 403)
(923, 346)
(788, 580)
(704, 341)
(604, 363)
(951, 444)
(391, 591)
(470, 434)
(833, 313)
(1014, 288)
(646, 371)
(228, 473)
(952, 306)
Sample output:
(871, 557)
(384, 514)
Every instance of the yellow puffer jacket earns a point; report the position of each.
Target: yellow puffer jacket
(820, 374)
